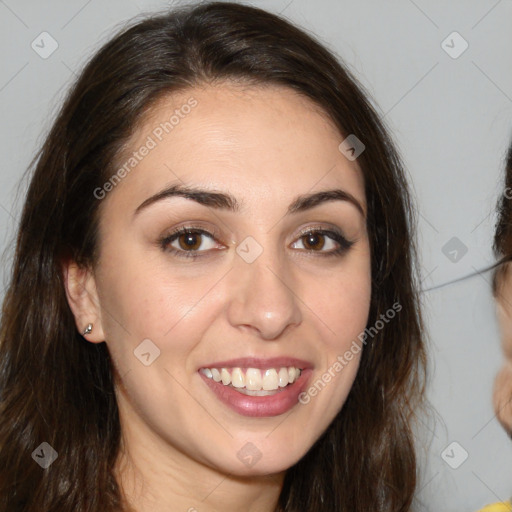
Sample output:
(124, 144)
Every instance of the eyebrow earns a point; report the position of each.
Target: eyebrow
(224, 201)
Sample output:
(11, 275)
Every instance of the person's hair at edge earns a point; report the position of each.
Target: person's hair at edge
(501, 286)
(57, 388)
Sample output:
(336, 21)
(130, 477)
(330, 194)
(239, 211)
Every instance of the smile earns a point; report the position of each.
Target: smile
(254, 381)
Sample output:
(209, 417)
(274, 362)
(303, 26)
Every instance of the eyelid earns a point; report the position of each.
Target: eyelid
(164, 242)
(331, 232)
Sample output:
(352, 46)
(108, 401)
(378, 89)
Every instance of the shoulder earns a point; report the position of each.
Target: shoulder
(504, 506)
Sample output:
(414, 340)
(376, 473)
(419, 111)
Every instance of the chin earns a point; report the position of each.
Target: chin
(252, 461)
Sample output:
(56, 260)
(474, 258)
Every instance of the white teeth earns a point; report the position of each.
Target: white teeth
(226, 378)
(237, 378)
(270, 380)
(250, 381)
(283, 377)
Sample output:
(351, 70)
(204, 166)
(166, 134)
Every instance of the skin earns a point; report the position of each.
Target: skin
(265, 145)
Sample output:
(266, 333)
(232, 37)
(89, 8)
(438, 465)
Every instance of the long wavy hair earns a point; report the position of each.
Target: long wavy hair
(58, 388)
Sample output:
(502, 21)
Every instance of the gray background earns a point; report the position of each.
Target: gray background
(451, 118)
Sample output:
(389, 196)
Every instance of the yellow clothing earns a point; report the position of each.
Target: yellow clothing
(498, 507)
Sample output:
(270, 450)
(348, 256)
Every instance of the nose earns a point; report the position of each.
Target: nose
(262, 296)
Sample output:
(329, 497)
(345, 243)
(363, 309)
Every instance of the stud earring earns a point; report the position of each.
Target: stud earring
(87, 330)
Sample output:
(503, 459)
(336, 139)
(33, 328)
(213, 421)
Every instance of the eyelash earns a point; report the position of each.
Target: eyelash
(165, 241)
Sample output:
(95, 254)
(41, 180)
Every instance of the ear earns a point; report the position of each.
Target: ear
(82, 296)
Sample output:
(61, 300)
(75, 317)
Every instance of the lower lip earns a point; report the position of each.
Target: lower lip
(260, 406)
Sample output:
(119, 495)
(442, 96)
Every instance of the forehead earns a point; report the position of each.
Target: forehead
(269, 140)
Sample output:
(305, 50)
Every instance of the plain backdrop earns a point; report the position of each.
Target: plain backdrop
(446, 97)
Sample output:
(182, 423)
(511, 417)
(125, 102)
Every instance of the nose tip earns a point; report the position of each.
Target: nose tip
(262, 299)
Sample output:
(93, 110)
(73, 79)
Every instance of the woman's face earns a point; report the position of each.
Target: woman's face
(255, 299)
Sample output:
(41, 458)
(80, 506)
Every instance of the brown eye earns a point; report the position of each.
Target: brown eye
(190, 241)
(314, 241)
(324, 242)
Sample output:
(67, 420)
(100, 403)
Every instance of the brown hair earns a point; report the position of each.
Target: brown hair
(59, 389)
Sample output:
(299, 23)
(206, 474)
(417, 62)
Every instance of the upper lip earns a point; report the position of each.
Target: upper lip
(256, 362)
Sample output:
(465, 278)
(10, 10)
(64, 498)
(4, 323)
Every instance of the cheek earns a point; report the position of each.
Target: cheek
(340, 312)
(147, 299)
(340, 304)
(144, 299)
(347, 307)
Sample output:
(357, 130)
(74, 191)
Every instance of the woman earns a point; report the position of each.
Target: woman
(213, 302)
(502, 291)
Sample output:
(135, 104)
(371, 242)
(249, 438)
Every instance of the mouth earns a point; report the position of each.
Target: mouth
(254, 381)
(258, 387)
